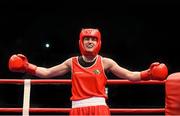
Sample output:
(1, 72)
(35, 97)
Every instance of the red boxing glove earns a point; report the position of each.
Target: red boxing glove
(156, 71)
(19, 63)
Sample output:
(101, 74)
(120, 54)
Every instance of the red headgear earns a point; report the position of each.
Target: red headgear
(89, 32)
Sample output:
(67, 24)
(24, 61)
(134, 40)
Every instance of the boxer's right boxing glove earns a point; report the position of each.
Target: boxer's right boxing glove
(19, 63)
(157, 71)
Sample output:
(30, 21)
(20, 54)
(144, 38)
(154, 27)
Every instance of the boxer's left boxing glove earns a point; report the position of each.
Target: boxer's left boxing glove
(157, 71)
(19, 63)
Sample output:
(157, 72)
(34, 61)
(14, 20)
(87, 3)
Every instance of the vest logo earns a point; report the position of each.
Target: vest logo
(96, 71)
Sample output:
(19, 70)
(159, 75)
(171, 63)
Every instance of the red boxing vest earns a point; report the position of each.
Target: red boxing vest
(88, 81)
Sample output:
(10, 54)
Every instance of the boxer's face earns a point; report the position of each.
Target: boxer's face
(89, 43)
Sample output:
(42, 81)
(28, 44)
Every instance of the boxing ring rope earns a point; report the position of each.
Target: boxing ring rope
(66, 110)
(26, 100)
(68, 81)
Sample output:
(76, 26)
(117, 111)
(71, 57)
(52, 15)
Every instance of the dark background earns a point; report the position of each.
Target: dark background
(134, 33)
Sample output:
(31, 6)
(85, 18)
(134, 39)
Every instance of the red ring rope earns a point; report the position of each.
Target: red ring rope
(68, 81)
(66, 110)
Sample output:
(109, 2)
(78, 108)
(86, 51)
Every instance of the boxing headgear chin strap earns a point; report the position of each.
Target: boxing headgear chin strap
(89, 32)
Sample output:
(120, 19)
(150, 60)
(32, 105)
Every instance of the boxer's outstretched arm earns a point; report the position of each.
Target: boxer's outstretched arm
(57, 70)
(20, 63)
(156, 71)
(119, 71)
